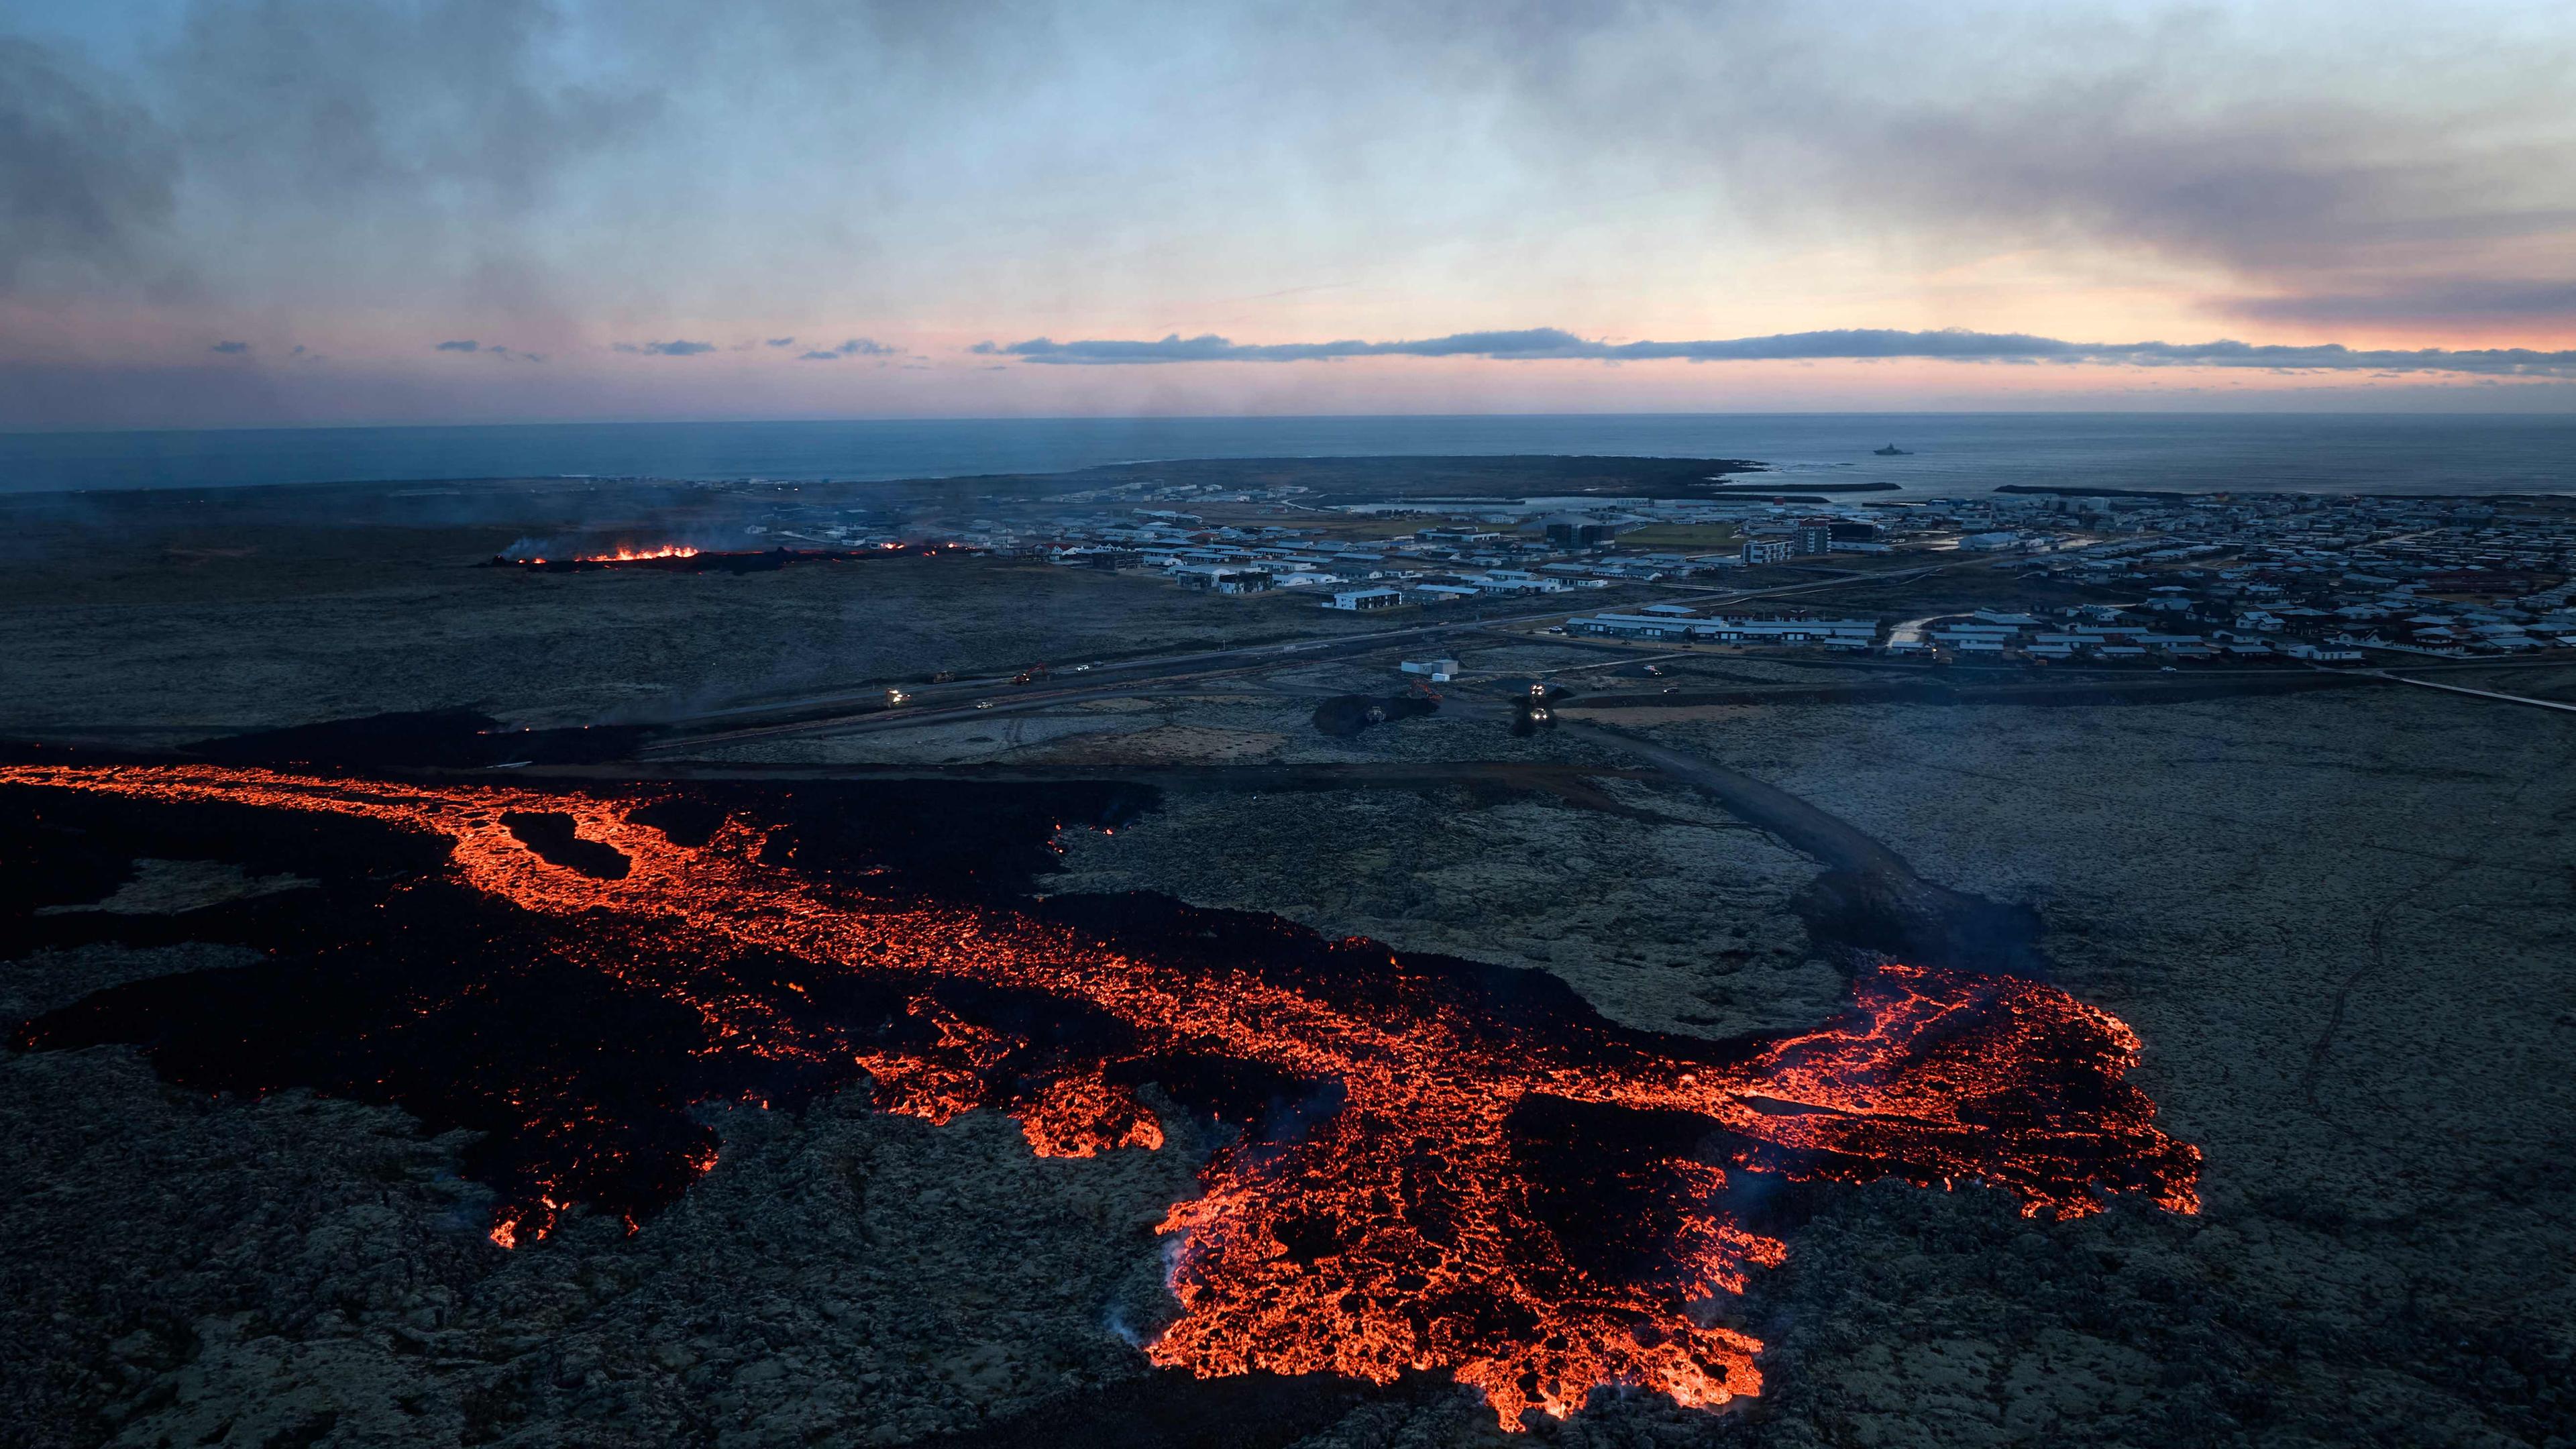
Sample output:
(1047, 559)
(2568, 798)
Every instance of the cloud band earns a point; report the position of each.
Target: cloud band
(1551, 343)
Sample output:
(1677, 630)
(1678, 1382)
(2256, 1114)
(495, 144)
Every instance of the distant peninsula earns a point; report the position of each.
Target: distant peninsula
(1754, 490)
(1384, 479)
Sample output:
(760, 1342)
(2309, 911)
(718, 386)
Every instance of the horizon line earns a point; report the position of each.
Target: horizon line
(2357, 411)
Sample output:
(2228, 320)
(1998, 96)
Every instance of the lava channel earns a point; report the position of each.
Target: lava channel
(1475, 1173)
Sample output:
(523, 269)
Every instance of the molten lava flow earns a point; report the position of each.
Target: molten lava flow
(1482, 1177)
(682, 558)
(632, 555)
(1083, 1116)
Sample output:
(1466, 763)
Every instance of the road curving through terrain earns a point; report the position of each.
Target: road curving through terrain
(1868, 897)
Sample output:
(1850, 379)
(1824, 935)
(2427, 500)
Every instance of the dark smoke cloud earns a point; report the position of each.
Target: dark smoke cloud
(86, 180)
(437, 129)
(1551, 343)
(330, 149)
(476, 165)
(441, 106)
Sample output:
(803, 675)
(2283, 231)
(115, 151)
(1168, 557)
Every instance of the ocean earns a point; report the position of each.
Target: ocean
(1949, 453)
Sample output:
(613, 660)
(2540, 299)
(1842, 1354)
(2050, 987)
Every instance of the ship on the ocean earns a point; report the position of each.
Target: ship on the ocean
(1892, 451)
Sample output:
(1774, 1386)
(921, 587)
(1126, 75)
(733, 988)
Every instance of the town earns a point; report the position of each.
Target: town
(2100, 577)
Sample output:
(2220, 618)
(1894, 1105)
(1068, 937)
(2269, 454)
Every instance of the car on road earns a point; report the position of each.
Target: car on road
(983, 704)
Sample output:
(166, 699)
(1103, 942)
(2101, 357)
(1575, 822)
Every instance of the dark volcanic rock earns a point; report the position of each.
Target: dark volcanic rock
(443, 737)
(1345, 715)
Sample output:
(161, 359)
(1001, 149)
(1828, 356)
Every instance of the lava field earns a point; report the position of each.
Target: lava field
(1434, 1165)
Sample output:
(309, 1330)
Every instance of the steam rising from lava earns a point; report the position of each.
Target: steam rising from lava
(1491, 1179)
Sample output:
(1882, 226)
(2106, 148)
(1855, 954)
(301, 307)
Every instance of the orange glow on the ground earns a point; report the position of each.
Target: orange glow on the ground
(1397, 1228)
(632, 555)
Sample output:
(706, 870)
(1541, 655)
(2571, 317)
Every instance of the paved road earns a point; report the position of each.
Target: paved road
(1869, 896)
(2480, 693)
(1826, 838)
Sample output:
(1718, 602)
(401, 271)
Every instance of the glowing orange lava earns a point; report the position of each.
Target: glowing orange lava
(629, 555)
(1406, 1220)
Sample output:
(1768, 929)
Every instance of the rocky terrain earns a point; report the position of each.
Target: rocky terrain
(2337, 921)
(2337, 924)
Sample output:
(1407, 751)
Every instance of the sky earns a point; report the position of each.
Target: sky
(255, 212)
